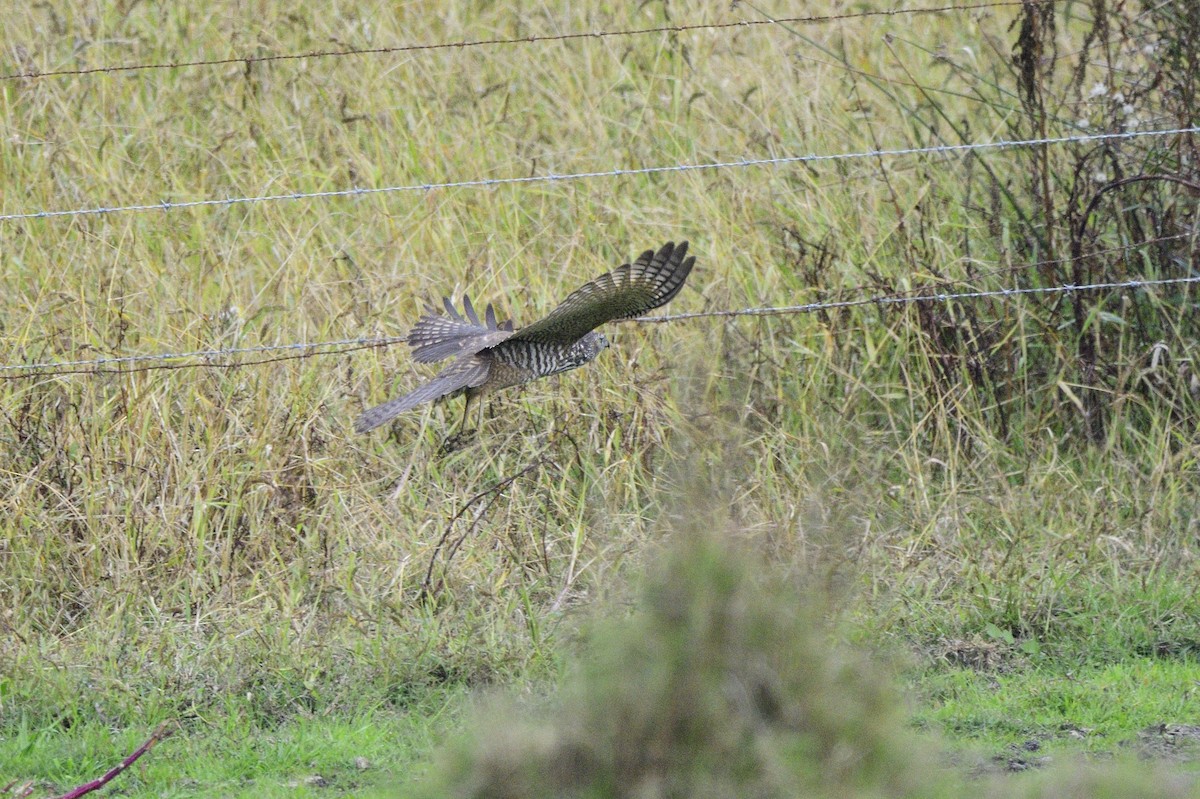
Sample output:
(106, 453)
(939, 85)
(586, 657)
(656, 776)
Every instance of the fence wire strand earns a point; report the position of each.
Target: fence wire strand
(607, 173)
(780, 310)
(309, 349)
(314, 348)
(465, 44)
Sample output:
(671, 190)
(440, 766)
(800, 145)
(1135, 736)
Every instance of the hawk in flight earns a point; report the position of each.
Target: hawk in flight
(489, 356)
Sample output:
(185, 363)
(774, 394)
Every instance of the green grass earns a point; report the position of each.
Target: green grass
(1093, 708)
(215, 546)
(360, 754)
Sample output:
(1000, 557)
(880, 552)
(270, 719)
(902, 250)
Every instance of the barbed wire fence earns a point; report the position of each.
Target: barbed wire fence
(359, 191)
(248, 60)
(219, 358)
(341, 346)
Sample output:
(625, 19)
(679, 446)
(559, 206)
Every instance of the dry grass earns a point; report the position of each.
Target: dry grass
(172, 538)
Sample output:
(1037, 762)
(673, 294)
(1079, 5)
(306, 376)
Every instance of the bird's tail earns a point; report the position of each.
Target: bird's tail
(464, 373)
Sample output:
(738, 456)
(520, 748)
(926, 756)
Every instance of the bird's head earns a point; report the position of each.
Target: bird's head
(583, 351)
(593, 344)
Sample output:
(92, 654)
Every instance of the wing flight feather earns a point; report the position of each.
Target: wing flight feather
(629, 290)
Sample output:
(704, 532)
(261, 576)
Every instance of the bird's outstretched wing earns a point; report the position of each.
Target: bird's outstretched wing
(435, 337)
(466, 372)
(629, 290)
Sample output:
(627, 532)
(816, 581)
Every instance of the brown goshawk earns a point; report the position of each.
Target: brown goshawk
(489, 355)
